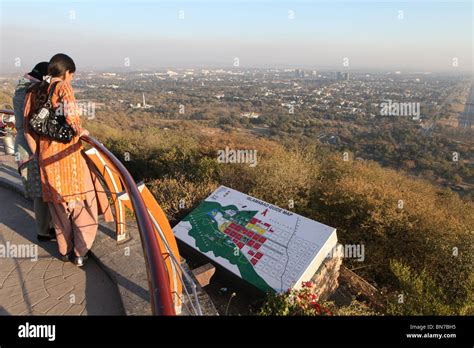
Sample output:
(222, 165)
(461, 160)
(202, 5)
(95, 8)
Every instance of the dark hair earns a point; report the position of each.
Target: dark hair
(57, 67)
(39, 70)
(59, 64)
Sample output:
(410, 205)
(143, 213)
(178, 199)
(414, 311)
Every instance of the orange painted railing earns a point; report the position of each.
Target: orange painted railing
(160, 293)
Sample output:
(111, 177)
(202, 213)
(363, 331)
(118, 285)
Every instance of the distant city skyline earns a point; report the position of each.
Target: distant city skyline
(352, 35)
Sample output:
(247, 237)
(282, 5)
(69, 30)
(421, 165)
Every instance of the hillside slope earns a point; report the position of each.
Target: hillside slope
(417, 238)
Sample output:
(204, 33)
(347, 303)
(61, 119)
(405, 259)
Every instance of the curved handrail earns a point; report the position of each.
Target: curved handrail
(160, 294)
(6, 112)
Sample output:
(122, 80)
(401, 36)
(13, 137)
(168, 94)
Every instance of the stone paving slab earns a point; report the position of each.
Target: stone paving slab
(33, 281)
(36, 282)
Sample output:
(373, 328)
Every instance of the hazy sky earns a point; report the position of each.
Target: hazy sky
(395, 35)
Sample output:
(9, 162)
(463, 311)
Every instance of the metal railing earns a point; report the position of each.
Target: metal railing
(194, 307)
(158, 280)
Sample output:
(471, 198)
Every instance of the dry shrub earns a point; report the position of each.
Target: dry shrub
(169, 192)
(429, 231)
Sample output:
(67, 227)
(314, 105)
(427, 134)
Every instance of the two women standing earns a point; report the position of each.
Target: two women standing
(66, 182)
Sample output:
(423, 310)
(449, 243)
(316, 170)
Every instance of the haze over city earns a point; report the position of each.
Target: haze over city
(404, 36)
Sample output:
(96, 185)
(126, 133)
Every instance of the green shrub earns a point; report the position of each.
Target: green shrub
(355, 308)
(418, 294)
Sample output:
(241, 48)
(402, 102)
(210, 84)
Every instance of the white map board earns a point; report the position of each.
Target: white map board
(270, 247)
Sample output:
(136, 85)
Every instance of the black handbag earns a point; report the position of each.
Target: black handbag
(50, 124)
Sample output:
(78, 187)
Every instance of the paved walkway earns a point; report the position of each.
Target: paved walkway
(38, 283)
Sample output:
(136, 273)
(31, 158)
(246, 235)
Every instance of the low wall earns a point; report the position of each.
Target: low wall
(326, 278)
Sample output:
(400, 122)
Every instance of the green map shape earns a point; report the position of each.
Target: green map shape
(205, 231)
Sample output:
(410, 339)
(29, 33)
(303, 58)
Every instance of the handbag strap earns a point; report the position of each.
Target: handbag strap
(48, 103)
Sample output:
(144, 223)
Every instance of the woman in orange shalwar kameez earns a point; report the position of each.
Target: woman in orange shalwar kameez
(65, 178)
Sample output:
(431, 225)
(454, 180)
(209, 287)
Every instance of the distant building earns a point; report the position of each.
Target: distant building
(142, 106)
(249, 114)
(299, 73)
(342, 76)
